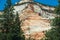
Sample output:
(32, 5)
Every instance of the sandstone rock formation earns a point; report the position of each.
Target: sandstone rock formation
(33, 25)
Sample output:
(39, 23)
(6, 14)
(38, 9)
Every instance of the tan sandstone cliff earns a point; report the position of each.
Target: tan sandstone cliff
(33, 25)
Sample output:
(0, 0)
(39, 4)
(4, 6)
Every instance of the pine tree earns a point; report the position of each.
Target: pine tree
(54, 33)
(19, 33)
(16, 30)
(8, 15)
(8, 21)
(11, 29)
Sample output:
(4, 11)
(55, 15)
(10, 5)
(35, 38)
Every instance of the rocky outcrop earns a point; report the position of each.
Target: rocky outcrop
(33, 25)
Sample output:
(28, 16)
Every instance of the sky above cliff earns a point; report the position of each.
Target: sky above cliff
(46, 2)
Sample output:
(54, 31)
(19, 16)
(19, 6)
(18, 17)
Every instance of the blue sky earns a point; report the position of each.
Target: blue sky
(46, 2)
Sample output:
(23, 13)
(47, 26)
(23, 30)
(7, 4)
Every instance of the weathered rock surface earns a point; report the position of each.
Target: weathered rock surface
(33, 25)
